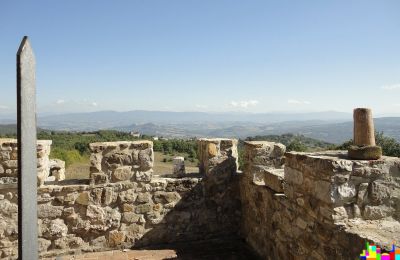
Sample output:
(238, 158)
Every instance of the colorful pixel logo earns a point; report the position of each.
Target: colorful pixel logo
(373, 252)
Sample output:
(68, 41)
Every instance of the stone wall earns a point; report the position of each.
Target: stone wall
(125, 206)
(121, 161)
(9, 160)
(285, 205)
(322, 206)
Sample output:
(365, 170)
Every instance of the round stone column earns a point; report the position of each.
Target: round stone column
(364, 147)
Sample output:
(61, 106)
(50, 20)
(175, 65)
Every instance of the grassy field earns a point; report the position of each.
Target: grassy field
(165, 168)
(162, 166)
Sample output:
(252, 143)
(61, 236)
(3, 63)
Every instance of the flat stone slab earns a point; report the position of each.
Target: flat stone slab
(273, 179)
(267, 176)
(371, 152)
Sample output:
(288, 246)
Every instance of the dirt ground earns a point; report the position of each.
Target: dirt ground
(231, 249)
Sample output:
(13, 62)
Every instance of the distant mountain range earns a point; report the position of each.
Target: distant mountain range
(333, 127)
(332, 132)
(110, 119)
(114, 118)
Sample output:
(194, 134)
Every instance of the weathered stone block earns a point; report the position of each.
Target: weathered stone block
(274, 179)
(127, 196)
(116, 238)
(143, 197)
(143, 208)
(69, 242)
(46, 211)
(346, 193)
(98, 177)
(131, 217)
(43, 244)
(56, 228)
(293, 176)
(133, 231)
(212, 150)
(99, 242)
(323, 191)
(377, 212)
(144, 176)
(166, 197)
(83, 198)
(122, 173)
(378, 193)
(127, 207)
(108, 196)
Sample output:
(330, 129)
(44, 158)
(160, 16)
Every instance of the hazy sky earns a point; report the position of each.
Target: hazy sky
(216, 55)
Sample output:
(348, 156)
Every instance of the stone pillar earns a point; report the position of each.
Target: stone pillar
(364, 147)
(216, 155)
(179, 166)
(363, 127)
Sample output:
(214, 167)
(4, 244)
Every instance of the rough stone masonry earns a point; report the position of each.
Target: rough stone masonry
(9, 160)
(285, 205)
(125, 206)
(320, 206)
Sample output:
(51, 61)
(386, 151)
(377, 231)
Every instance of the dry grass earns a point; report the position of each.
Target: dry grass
(81, 170)
(78, 171)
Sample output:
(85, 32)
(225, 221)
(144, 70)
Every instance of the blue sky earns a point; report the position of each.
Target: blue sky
(217, 55)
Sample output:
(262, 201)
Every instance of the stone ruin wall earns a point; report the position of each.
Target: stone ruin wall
(285, 205)
(124, 205)
(47, 169)
(317, 205)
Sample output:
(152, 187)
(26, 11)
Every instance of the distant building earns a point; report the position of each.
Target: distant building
(135, 134)
(155, 138)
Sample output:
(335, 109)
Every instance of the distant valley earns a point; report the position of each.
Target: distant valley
(333, 127)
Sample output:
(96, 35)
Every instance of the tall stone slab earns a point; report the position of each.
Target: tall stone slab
(27, 161)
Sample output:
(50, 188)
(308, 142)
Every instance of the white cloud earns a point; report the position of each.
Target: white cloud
(60, 101)
(244, 103)
(94, 104)
(396, 105)
(4, 107)
(298, 102)
(201, 106)
(391, 87)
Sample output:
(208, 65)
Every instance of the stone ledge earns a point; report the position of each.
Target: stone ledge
(215, 140)
(103, 145)
(274, 179)
(15, 141)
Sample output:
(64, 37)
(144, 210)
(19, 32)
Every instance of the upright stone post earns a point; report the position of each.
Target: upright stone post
(179, 166)
(363, 127)
(27, 161)
(364, 147)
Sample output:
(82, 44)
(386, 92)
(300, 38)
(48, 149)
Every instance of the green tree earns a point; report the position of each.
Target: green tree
(390, 147)
(297, 146)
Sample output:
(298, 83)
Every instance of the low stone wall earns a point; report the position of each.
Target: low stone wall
(121, 161)
(9, 160)
(131, 208)
(322, 206)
